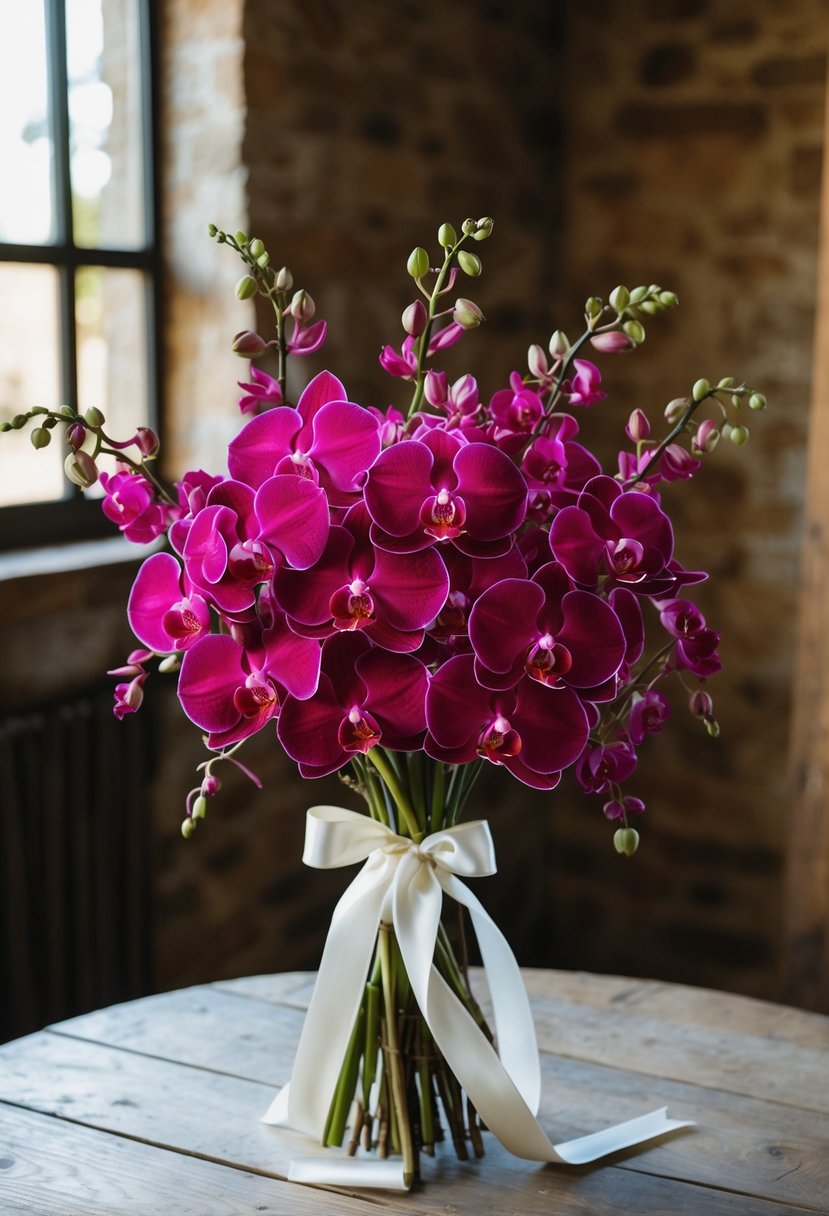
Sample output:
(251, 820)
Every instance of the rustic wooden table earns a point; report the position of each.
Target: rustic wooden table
(154, 1107)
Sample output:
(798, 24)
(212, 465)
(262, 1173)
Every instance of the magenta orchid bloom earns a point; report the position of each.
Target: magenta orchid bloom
(625, 535)
(392, 596)
(648, 714)
(517, 409)
(366, 696)
(583, 389)
(599, 768)
(305, 339)
(261, 393)
(545, 629)
(440, 487)
(469, 577)
(223, 558)
(533, 730)
(130, 503)
(403, 363)
(164, 613)
(231, 692)
(327, 440)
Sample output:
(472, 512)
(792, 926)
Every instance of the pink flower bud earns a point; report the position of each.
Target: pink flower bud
(612, 343)
(435, 389)
(537, 362)
(210, 786)
(414, 318)
(302, 307)
(467, 314)
(75, 435)
(675, 409)
(701, 704)
(638, 427)
(147, 441)
(81, 469)
(707, 437)
(249, 345)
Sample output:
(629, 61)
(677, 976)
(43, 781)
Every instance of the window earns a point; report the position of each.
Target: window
(78, 253)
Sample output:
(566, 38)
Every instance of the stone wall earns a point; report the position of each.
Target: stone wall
(675, 141)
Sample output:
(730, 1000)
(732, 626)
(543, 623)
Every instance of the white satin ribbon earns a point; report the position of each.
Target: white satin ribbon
(402, 884)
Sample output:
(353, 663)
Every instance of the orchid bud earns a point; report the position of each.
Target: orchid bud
(18, 421)
(467, 314)
(649, 307)
(248, 345)
(626, 841)
(669, 299)
(210, 786)
(593, 308)
(447, 236)
(612, 343)
(757, 401)
(188, 827)
(713, 727)
(470, 264)
(537, 362)
(559, 344)
(240, 237)
(434, 388)
(212, 229)
(147, 441)
(418, 263)
(619, 299)
(635, 330)
(738, 435)
(171, 662)
(246, 287)
(700, 390)
(40, 437)
(94, 417)
(675, 409)
(302, 306)
(75, 435)
(257, 248)
(707, 437)
(468, 227)
(414, 318)
(66, 411)
(701, 704)
(484, 229)
(638, 427)
(726, 382)
(199, 807)
(81, 469)
(638, 294)
(284, 280)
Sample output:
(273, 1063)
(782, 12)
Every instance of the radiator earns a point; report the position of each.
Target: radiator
(74, 861)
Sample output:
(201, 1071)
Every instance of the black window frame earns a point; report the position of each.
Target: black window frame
(76, 517)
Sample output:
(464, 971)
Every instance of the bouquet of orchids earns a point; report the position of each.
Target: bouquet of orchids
(406, 595)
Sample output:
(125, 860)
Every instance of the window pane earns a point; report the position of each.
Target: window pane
(29, 376)
(105, 123)
(25, 138)
(110, 312)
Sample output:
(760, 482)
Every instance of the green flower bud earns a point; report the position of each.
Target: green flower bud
(700, 390)
(188, 827)
(172, 662)
(66, 411)
(40, 437)
(418, 263)
(757, 401)
(221, 237)
(713, 727)
(467, 314)
(284, 280)
(469, 264)
(593, 308)
(447, 236)
(257, 248)
(738, 435)
(675, 409)
(635, 330)
(199, 807)
(5, 426)
(669, 298)
(240, 237)
(485, 226)
(626, 841)
(649, 307)
(263, 261)
(246, 287)
(559, 344)
(38, 409)
(619, 298)
(248, 344)
(212, 229)
(468, 227)
(726, 382)
(638, 294)
(19, 421)
(94, 417)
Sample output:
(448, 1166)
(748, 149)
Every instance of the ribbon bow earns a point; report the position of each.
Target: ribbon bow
(402, 884)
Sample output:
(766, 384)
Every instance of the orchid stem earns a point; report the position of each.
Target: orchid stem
(401, 798)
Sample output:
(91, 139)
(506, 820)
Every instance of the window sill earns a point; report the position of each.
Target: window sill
(74, 557)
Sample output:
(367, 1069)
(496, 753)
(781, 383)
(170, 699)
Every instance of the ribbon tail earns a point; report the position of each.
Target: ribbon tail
(333, 1007)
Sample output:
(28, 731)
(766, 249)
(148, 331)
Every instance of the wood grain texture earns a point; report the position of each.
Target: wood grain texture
(182, 1080)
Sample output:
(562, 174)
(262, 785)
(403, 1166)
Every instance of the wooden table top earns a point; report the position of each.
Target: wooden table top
(154, 1107)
